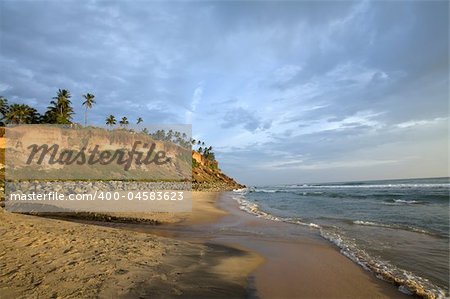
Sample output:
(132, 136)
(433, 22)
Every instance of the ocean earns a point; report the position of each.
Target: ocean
(397, 229)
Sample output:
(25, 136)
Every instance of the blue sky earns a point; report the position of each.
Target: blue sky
(286, 92)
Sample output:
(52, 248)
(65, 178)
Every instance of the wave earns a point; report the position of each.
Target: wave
(352, 186)
(266, 190)
(254, 209)
(398, 202)
(394, 226)
(407, 281)
(389, 197)
(302, 193)
(411, 202)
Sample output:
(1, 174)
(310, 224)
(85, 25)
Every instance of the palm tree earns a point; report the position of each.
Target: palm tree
(169, 135)
(60, 111)
(124, 121)
(4, 108)
(21, 114)
(110, 120)
(88, 103)
(139, 120)
(3, 105)
(63, 100)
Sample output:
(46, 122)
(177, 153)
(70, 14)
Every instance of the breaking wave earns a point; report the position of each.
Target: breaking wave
(408, 282)
(254, 209)
(394, 226)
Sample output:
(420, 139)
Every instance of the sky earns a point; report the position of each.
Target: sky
(285, 92)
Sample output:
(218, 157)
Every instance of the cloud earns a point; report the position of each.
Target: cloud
(286, 73)
(196, 99)
(244, 118)
(301, 165)
(424, 122)
(315, 83)
(4, 87)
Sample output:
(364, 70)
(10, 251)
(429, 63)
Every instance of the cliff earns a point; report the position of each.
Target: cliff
(206, 176)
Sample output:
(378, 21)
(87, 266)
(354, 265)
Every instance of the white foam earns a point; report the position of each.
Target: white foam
(254, 209)
(407, 201)
(393, 226)
(371, 186)
(265, 190)
(405, 290)
(408, 281)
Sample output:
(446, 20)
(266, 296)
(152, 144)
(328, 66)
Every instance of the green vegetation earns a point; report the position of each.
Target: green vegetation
(88, 103)
(171, 136)
(60, 111)
(111, 120)
(194, 163)
(124, 122)
(21, 114)
(206, 151)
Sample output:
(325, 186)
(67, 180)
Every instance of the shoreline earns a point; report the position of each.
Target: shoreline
(217, 251)
(307, 266)
(325, 272)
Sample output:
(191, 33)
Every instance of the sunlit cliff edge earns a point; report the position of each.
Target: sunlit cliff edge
(207, 176)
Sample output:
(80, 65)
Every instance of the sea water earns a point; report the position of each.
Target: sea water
(397, 229)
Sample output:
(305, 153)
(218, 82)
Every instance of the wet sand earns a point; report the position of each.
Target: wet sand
(296, 265)
(303, 266)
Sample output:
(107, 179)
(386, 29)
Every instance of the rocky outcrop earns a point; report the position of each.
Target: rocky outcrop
(206, 176)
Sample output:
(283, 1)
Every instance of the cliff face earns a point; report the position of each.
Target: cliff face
(176, 163)
(206, 176)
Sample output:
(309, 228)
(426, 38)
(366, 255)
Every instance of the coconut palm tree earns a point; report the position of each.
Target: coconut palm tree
(4, 108)
(89, 101)
(110, 120)
(60, 111)
(22, 114)
(169, 135)
(139, 120)
(124, 121)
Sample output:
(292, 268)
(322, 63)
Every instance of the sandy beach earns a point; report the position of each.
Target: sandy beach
(215, 251)
(42, 257)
